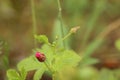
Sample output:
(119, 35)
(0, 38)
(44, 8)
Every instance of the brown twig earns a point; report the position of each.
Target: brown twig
(111, 27)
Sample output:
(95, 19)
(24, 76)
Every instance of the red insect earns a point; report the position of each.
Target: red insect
(40, 56)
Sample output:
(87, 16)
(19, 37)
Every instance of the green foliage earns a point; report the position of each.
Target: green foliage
(38, 73)
(41, 39)
(29, 63)
(117, 44)
(92, 47)
(88, 61)
(14, 75)
(57, 32)
(4, 51)
(23, 74)
(47, 50)
(66, 58)
(56, 60)
(5, 61)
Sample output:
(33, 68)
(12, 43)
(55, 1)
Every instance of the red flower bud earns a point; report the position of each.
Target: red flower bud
(40, 56)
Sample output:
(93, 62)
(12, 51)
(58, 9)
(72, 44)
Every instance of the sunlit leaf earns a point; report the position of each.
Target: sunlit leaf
(66, 58)
(29, 63)
(12, 75)
(23, 74)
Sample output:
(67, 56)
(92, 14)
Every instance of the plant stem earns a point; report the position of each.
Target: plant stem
(34, 21)
(53, 77)
(67, 36)
(48, 67)
(60, 19)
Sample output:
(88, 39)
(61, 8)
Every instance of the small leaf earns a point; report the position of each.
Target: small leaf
(117, 44)
(5, 62)
(12, 74)
(30, 63)
(42, 39)
(39, 73)
(23, 74)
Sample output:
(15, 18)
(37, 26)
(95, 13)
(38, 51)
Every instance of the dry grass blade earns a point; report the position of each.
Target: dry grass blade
(111, 27)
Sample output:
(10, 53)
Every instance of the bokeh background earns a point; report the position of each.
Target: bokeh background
(98, 37)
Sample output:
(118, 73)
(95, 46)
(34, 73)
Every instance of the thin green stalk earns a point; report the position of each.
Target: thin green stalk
(60, 19)
(73, 30)
(67, 36)
(34, 21)
(48, 67)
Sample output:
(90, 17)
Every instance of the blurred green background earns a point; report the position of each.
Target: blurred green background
(98, 39)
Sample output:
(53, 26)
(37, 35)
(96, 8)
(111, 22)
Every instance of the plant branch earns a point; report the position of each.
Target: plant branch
(67, 36)
(111, 27)
(34, 21)
(72, 31)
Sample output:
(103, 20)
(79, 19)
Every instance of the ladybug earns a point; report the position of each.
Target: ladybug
(40, 56)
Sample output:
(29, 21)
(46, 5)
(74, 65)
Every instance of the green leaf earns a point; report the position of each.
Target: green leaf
(66, 58)
(117, 44)
(92, 47)
(23, 74)
(88, 61)
(5, 62)
(39, 73)
(57, 31)
(12, 74)
(30, 63)
(42, 39)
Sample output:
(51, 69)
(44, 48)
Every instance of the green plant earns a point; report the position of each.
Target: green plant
(57, 59)
(54, 57)
(51, 57)
(4, 52)
(117, 44)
